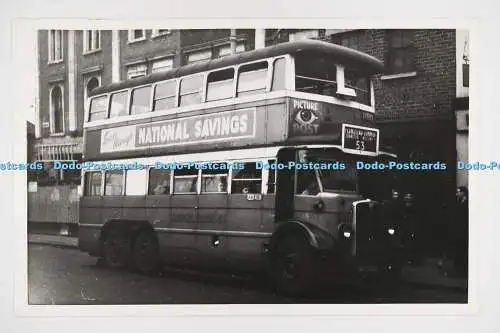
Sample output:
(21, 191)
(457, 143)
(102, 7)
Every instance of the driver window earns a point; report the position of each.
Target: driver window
(307, 183)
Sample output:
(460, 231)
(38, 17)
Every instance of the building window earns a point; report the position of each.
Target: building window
(55, 45)
(136, 35)
(226, 50)
(136, 71)
(161, 32)
(92, 83)
(91, 40)
(199, 56)
(56, 110)
(308, 34)
(162, 65)
(400, 57)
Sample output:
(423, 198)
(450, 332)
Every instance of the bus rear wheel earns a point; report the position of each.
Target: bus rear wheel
(116, 248)
(292, 266)
(145, 254)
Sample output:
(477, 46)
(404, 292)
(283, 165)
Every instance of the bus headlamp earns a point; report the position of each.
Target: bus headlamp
(346, 231)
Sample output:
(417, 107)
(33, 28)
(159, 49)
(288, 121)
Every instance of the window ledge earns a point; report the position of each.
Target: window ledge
(53, 62)
(161, 35)
(92, 51)
(57, 134)
(133, 41)
(398, 76)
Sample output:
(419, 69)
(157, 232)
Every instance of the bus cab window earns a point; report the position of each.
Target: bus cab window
(118, 104)
(247, 180)
(98, 108)
(140, 102)
(214, 181)
(185, 180)
(92, 186)
(165, 95)
(307, 183)
(252, 79)
(113, 183)
(220, 84)
(190, 91)
(159, 182)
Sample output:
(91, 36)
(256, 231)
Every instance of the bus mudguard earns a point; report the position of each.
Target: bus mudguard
(318, 238)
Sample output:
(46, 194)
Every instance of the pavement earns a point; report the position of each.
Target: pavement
(429, 274)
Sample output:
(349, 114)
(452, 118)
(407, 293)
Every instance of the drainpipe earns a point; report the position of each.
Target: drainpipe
(260, 38)
(232, 41)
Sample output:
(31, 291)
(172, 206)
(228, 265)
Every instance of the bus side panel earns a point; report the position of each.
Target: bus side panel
(276, 123)
(159, 214)
(111, 208)
(268, 213)
(212, 246)
(133, 208)
(90, 213)
(244, 220)
(181, 235)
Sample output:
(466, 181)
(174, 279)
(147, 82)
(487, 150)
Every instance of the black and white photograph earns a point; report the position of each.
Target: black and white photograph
(248, 166)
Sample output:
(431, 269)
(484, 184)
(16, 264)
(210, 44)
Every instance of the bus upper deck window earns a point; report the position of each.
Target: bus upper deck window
(165, 95)
(247, 180)
(220, 84)
(279, 74)
(360, 83)
(252, 78)
(118, 104)
(315, 74)
(92, 183)
(190, 91)
(98, 108)
(140, 102)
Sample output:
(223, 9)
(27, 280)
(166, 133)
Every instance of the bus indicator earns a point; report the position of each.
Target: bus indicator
(360, 139)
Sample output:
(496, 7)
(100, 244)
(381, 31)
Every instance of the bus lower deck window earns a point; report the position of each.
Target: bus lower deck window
(247, 180)
(159, 182)
(92, 186)
(213, 181)
(113, 183)
(185, 180)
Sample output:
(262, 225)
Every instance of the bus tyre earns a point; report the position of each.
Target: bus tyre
(292, 265)
(145, 254)
(116, 248)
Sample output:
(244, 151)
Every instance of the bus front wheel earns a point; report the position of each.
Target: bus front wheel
(292, 265)
(116, 248)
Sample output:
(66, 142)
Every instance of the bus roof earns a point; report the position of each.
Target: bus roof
(343, 55)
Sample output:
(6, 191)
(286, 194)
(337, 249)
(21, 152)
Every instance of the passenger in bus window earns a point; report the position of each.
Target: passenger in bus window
(162, 188)
(312, 188)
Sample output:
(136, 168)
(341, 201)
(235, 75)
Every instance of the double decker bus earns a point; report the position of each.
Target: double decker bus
(243, 162)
